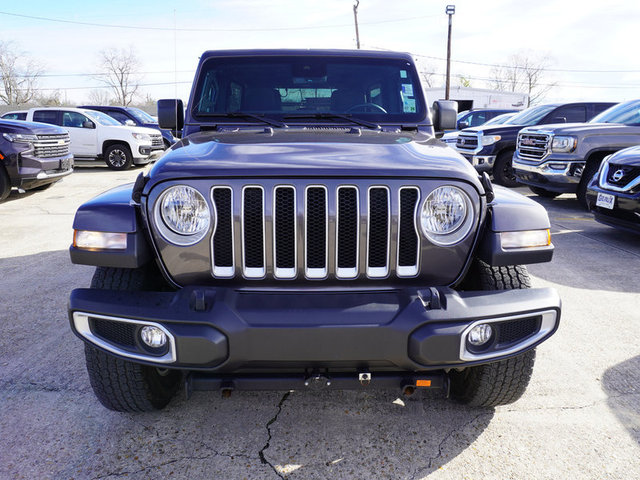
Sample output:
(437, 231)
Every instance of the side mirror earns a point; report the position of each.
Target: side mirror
(559, 120)
(171, 114)
(444, 115)
(130, 123)
(463, 125)
(88, 124)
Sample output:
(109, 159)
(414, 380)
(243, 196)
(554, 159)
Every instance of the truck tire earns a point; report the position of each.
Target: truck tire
(589, 171)
(502, 382)
(118, 157)
(5, 184)
(121, 385)
(503, 170)
(543, 192)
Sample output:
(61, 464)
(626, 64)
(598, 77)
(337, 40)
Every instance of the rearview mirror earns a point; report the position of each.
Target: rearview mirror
(170, 114)
(88, 124)
(559, 120)
(463, 125)
(130, 123)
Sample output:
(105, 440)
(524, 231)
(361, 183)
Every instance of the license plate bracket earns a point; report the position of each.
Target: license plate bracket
(606, 200)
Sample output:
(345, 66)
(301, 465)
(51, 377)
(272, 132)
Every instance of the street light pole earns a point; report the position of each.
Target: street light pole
(355, 19)
(450, 10)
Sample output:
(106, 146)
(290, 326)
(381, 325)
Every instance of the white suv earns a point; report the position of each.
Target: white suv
(97, 136)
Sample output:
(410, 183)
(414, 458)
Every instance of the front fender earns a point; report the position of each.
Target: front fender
(512, 212)
(112, 211)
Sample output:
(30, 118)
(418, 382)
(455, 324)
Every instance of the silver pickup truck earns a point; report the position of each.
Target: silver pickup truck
(562, 158)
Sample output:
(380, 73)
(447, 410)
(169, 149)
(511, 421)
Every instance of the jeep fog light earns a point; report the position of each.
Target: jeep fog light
(153, 336)
(89, 240)
(480, 334)
(446, 215)
(525, 239)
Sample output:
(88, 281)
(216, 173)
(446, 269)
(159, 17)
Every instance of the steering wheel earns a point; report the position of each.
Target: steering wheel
(367, 105)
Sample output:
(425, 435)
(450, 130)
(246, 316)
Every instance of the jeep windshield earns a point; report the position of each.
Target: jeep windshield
(364, 90)
(627, 113)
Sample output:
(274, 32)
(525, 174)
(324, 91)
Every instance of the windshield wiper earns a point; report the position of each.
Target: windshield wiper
(261, 118)
(348, 118)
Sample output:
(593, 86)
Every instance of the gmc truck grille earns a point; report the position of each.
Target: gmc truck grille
(533, 146)
(156, 140)
(467, 142)
(318, 227)
(50, 146)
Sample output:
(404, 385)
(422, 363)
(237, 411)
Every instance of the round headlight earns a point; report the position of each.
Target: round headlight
(446, 216)
(183, 211)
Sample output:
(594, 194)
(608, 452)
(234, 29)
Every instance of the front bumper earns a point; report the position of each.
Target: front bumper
(552, 174)
(148, 154)
(33, 172)
(221, 330)
(626, 210)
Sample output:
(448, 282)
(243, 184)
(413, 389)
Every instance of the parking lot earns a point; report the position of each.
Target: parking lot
(580, 417)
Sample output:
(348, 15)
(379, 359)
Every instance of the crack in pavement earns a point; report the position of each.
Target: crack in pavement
(160, 465)
(263, 459)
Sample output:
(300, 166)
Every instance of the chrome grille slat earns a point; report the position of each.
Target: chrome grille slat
(223, 240)
(50, 146)
(316, 232)
(253, 246)
(378, 232)
(347, 232)
(408, 240)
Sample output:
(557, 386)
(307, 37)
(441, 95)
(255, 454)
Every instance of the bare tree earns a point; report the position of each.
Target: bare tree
(99, 96)
(120, 72)
(525, 72)
(18, 75)
(52, 99)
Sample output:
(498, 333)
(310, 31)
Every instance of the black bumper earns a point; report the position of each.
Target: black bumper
(229, 331)
(625, 213)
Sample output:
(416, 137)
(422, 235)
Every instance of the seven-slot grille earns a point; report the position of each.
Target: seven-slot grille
(156, 140)
(51, 146)
(533, 146)
(315, 230)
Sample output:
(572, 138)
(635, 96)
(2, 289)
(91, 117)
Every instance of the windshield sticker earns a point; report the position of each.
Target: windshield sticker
(409, 105)
(407, 89)
(403, 74)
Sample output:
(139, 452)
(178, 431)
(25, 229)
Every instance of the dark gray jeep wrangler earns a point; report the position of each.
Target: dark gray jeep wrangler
(309, 231)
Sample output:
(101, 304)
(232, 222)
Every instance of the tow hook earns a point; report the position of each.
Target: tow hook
(317, 381)
(365, 378)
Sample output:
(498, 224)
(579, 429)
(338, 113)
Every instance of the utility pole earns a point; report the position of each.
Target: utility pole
(450, 10)
(355, 19)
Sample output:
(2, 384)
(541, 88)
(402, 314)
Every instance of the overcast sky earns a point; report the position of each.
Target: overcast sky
(592, 45)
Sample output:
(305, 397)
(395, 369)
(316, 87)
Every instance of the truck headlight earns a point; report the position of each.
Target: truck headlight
(564, 144)
(490, 139)
(446, 216)
(183, 211)
(20, 137)
(143, 137)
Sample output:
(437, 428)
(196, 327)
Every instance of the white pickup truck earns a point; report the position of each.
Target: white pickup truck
(96, 136)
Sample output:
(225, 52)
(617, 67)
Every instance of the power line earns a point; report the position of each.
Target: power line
(164, 29)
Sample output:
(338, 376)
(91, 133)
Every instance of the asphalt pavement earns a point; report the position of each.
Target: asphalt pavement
(579, 419)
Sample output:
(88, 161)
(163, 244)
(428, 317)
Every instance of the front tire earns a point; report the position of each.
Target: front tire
(118, 157)
(503, 172)
(119, 384)
(5, 184)
(505, 381)
(589, 171)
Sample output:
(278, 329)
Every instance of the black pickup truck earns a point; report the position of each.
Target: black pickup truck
(490, 149)
(309, 231)
(32, 156)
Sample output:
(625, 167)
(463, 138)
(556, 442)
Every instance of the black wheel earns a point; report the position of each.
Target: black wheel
(121, 385)
(543, 192)
(5, 184)
(589, 171)
(118, 157)
(503, 172)
(497, 383)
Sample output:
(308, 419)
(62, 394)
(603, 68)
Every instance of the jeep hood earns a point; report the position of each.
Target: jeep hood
(321, 153)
